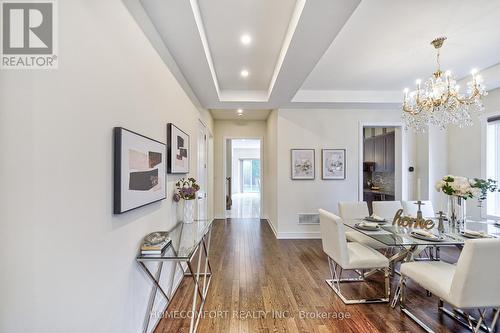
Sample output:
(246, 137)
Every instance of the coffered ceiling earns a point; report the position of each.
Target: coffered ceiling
(316, 53)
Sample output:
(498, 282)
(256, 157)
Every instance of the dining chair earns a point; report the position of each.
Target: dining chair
(358, 210)
(386, 209)
(343, 255)
(410, 208)
(471, 284)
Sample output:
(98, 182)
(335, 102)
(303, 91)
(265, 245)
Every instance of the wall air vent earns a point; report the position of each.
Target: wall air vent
(308, 218)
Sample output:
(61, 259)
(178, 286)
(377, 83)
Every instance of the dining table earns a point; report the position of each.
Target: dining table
(407, 242)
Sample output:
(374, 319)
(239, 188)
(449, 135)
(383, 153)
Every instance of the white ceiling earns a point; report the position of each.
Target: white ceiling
(230, 114)
(315, 53)
(385, 45)
(225, 21)
(245, 144)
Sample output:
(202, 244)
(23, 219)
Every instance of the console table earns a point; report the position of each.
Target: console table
(189, 240)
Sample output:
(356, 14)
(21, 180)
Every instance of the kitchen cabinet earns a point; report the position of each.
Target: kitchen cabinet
(380, 149)
(389, 152)
(380, 153)
(369, 150)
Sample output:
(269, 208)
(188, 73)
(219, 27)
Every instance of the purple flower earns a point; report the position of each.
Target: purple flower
(177, 197)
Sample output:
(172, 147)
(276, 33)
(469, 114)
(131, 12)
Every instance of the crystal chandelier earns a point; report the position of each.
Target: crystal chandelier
(439, 101)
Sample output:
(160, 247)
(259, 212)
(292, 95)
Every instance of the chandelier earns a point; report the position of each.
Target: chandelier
(439, 101)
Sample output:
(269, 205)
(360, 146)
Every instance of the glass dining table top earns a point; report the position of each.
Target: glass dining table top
(393, 235)
(185, 238)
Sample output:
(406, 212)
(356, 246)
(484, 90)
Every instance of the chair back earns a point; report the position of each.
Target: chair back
(333, 237)
(386, 209)
(410, 208)
(475, 282)
(353, 210)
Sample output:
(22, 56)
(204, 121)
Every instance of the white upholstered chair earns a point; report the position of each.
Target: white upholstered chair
(349, 256)
(470, 284)
(386, 209)
(410, 208)
(358, 210)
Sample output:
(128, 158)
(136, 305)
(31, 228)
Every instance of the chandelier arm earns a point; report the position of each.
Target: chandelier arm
(471, 98)
(411, 111)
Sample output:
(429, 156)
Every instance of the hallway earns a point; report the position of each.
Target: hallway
(245, 205)
(262, 284)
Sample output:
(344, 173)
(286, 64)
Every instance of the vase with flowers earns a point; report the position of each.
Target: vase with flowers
(185, 190)
(459, 189)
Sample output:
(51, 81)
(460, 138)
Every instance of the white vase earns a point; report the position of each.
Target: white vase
(188, 211)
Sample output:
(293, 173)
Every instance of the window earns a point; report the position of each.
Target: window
(250, 175)
(493, 163)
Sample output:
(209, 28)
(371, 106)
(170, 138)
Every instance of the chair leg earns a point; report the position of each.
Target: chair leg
(387, 283)
(334, 283)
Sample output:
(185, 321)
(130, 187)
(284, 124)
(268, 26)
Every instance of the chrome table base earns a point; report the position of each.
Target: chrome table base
(200, 289)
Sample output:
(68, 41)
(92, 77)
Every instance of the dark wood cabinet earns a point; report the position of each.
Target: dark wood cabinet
(380, 153)
(389, 152)
(369, 150)
(380, 149)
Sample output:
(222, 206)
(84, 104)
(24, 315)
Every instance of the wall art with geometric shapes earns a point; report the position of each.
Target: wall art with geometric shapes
(139, 170)
(177, 150)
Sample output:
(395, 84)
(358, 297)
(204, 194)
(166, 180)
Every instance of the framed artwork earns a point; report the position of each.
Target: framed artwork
(302, 163)
(333, 163)
(139, 170)
(177, 150)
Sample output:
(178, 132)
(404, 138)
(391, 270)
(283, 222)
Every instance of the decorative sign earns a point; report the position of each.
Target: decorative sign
(412, 222)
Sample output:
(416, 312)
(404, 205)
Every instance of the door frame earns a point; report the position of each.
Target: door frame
(224, 174)
(400, 173)
(203, 127)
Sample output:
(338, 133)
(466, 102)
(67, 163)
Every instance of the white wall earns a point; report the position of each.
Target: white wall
(68, 262)
(319, 129)
(231, 129)
(270, 171)
(466, 151)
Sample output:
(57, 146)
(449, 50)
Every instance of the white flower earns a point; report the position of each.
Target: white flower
(439, 185)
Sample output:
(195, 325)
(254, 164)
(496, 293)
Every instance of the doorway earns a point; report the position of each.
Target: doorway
(382, 161)
(243, 178)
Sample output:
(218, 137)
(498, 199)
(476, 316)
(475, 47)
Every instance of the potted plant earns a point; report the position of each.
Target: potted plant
(185, 189)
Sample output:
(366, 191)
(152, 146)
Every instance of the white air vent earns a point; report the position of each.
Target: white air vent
(308, 218)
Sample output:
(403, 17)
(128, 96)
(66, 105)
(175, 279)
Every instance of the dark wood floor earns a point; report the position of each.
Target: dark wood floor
(262, 284)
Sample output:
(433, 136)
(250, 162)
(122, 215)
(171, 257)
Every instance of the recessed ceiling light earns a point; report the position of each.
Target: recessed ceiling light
(240, 112)
(244, 73)
(246, 39)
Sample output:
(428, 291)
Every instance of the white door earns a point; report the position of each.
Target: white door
(202, 171)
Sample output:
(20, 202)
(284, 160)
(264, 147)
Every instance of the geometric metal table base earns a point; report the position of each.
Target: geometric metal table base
(200, 287)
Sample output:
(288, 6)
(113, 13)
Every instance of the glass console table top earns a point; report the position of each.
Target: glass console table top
(185, 240)
(392, 235)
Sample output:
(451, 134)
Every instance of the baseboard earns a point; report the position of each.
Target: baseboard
(271, 225)
(299, 235)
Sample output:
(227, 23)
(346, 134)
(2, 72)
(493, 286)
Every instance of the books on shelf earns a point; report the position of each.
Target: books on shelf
(155, 243)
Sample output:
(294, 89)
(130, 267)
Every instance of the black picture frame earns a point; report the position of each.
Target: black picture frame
(325, 177)
(295, 177)
(171, 168)
(118, 169)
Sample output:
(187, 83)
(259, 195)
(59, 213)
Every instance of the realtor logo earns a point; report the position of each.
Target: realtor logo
(28, 35)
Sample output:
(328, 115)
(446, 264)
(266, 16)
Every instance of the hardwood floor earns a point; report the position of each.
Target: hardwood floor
(245, 205)
(262, 284)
